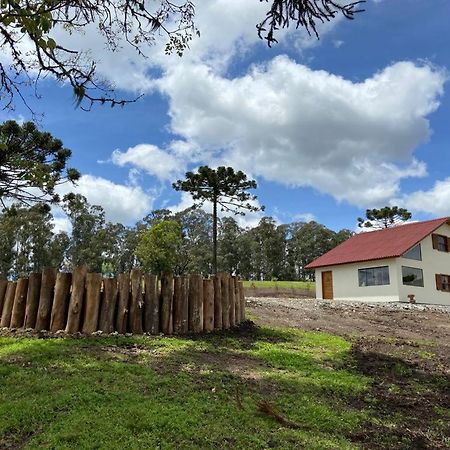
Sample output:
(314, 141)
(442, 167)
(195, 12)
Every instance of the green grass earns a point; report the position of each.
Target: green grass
(280, 284)
(179, 393)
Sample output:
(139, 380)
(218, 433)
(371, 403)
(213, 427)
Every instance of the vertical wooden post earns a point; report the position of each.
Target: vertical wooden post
(181, 305)
(109, 301)
(166, 301)
(20, 300)
(232, 301)
(60, 302)
(34, 290)
(217, 302)
(225, 301)
(208, 305)
(3, 286)
(123, 303)
(8, 304)
(46, 299)
(242, 298)
(151, 304)
(76, 299)
(195, 298)
(237, 302)
(136, 303)
(92, 303)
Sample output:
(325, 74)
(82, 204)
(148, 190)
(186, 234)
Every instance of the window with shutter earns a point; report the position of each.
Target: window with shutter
(443, 282)
(438, 282)
(440, 243)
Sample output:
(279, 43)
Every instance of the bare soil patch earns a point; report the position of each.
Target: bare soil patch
(404, 349)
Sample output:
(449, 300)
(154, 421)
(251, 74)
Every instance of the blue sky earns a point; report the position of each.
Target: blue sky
(328, 128)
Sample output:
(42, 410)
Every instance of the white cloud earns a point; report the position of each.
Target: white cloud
(124, 204)
(435, 201)
(305, 217)
(300, 127)
(162, 164)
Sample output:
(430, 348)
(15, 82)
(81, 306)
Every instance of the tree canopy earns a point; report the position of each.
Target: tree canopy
(134, 22)
(224, 188)
(32, 164)
(386, 217)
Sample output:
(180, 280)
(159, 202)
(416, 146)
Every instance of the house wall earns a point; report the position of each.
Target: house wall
(346, 284)
(433, 262)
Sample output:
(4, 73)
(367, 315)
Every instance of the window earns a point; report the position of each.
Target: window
(414, 253)
(412, 276)
(375, 276)
(443, 282)
(440, 242)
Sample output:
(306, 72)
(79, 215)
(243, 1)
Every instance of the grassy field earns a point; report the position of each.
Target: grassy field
(256, 388)
(281, 284)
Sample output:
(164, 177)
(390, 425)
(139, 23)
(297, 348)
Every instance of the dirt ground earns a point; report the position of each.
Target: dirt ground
(404, 349)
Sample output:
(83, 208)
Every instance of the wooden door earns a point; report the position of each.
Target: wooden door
(327, 285)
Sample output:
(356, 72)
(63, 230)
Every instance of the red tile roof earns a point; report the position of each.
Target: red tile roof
(387, 243)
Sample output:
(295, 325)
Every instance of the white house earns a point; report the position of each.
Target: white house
(389, 265)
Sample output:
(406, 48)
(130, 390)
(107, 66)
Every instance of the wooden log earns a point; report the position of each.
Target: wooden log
(8, 304)
(151, 304)
(177, 305)
(34, 291)
(242, 298)
(195, 299)
(237, 304)
(135, 318)
(76, 299)
(46, 295)
(109, 303)
(225, 287)
(3, 286)
(166, 302)
(61, 300)
(123, 280)
(20, 301)
(217, 302)
(92, 302)
(208, 305)
(232, 301)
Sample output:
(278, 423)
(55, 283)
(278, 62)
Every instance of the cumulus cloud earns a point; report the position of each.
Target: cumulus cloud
(435, 201)
(124, 204)
(293, 125)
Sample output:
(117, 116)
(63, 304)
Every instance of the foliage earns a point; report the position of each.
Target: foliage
(156, 397)
(37, 22)
(386, 217)
(224, 188)
(159, 248)
(303, 13)
(32, 164)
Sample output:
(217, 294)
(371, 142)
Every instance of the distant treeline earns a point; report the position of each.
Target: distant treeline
(265, 252)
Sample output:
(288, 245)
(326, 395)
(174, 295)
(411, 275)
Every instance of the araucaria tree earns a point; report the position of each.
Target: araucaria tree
(32, 164)
(386, 217)
(225, 189)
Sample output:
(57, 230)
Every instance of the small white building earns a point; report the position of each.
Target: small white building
(389, 265)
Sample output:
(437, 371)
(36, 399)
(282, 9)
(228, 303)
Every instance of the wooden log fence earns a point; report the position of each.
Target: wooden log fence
(131, 303)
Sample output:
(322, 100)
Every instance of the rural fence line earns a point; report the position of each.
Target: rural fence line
(131, 303)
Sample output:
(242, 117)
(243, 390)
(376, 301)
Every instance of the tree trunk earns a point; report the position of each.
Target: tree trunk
(3, 286)
(195, 298)
(8, 304)
(20, 299)
(208, 305)
(60, 302)
(109, 301)
(166, 301)
(232, 301)
(225, 301)
(31, 310)
(151, 304)
(217, 302)
(123, 306)
(76, 300)
(136, 304)
(92, 303)
(181, 305)
(214, 235)
(46, 299)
